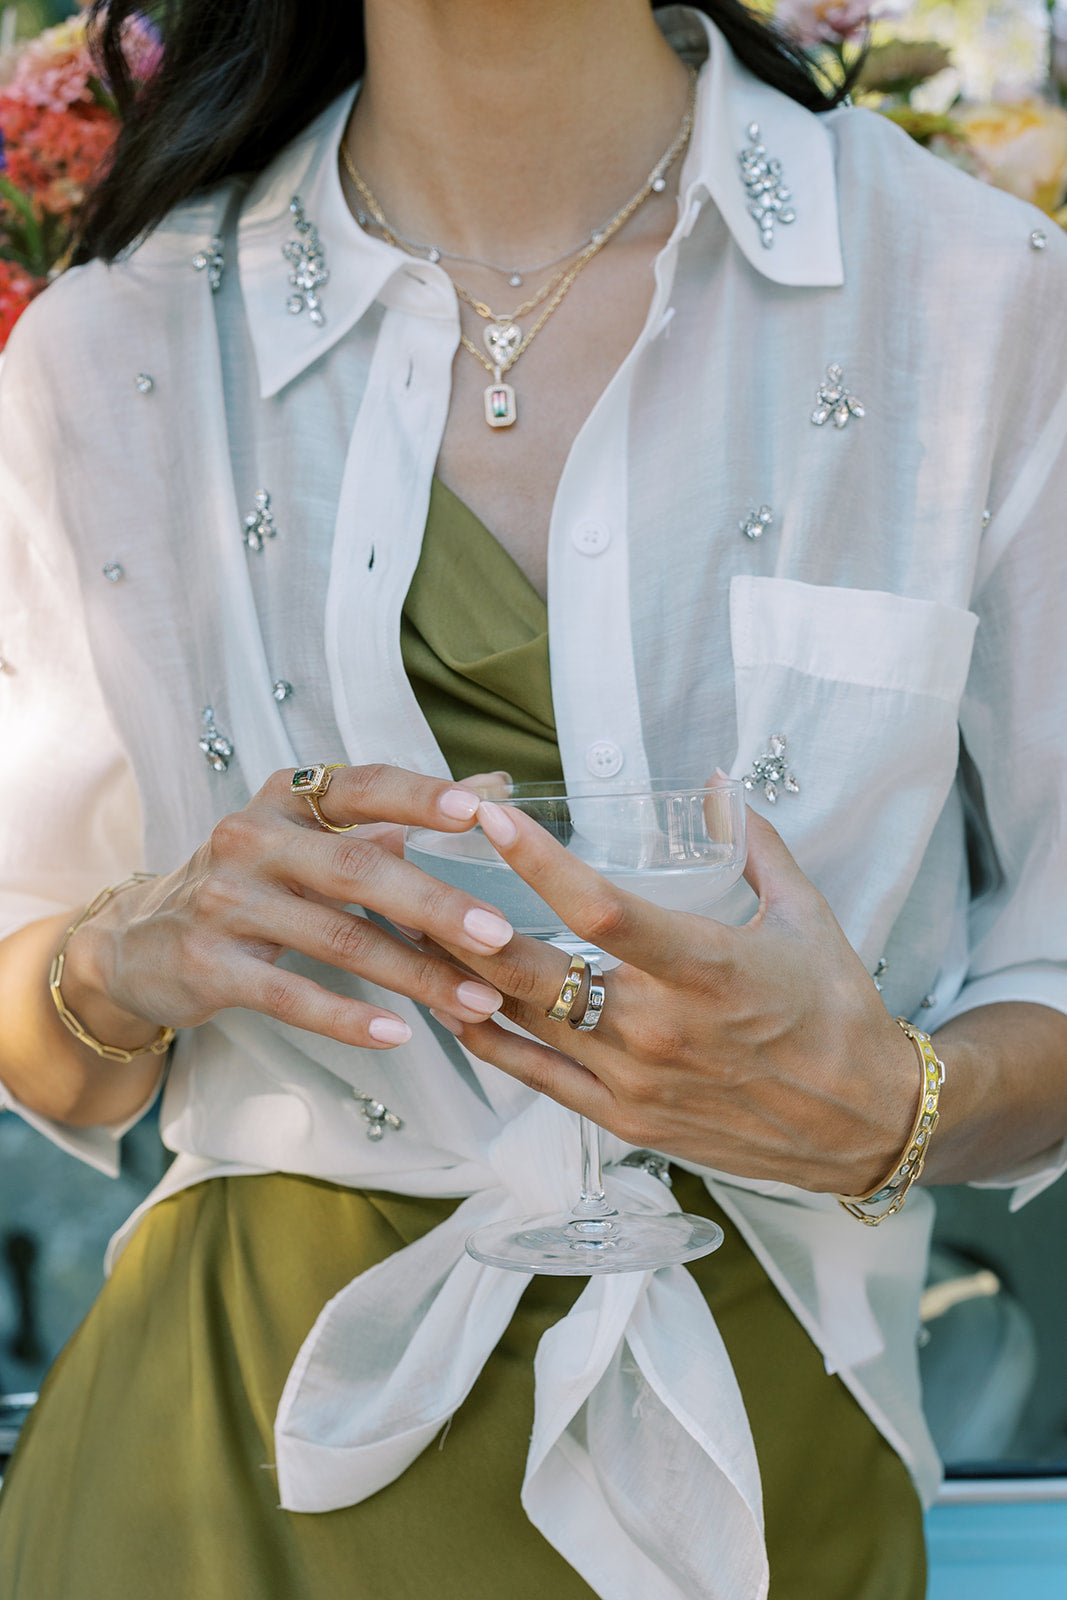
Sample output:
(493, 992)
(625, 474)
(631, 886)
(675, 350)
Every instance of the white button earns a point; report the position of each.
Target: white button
(591, 538)
(604, 759)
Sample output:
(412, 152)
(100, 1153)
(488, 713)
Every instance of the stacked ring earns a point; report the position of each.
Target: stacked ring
(594, 1005)
(561, 1009)
(311, 783)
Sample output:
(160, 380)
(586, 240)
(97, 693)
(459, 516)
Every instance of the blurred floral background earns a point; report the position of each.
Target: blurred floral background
(980, 83)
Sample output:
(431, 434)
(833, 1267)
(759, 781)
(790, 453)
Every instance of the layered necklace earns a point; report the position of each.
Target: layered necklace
(504, 339)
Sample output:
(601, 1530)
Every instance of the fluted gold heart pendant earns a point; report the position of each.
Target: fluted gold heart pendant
(502, 339)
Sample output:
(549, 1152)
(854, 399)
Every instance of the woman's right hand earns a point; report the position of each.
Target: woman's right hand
(208, 936)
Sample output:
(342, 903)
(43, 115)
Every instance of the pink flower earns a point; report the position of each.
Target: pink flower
(142, 47)
(813, 22)
(53, 71)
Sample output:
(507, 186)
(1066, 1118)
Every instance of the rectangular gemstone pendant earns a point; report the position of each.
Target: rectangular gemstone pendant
(500, 409)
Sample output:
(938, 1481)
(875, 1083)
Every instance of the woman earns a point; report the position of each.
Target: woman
(758, 491)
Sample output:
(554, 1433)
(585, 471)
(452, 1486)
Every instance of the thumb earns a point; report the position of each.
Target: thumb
(770, 869)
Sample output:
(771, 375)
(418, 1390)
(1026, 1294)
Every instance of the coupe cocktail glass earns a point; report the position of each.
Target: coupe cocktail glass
(682, 847)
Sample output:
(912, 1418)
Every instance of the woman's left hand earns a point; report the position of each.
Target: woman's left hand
(763, 1050)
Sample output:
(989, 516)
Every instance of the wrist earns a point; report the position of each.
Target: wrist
(83, 979)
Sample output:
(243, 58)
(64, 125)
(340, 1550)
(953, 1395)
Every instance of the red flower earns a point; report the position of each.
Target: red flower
(17, 288)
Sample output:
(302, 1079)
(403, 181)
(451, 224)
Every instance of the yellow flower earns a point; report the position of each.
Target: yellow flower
(1022, 147)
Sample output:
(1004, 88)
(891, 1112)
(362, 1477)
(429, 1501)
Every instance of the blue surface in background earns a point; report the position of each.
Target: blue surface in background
(998, 1552)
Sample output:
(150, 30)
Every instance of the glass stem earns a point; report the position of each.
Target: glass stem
(593, 1201)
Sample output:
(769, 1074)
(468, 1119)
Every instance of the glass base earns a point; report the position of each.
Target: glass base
(621, 1242)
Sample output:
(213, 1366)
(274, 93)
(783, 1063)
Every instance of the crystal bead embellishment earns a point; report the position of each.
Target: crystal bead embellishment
(218, 750)
(259, 524)
(113, 571)
(281, 690)
(1038, 239)
(212, 261)
(835, 400)
(376, 1116)
(771, 771)
(145, 383)
(307, 263)
(756, 522)
(768, 197)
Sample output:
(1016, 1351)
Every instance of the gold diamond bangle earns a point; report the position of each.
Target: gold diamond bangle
(909, 1165)
(110, 1052)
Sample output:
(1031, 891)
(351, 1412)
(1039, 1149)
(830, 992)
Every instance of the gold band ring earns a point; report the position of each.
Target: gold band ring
(311, 783)
(561, 1009)
(594, 1005)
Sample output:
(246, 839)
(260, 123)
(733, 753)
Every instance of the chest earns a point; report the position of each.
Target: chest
(509, 476)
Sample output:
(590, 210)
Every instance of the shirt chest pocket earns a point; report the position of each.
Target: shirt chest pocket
(864, 687)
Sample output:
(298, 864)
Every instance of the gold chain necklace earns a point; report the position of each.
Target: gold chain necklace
(505, 342)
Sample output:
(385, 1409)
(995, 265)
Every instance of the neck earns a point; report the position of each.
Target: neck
(508, 128)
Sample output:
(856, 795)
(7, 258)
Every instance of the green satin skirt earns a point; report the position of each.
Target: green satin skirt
(145, 1473)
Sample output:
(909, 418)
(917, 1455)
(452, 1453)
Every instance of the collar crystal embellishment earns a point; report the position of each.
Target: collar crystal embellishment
(771, 769)
(376, 1116)
(218, 750)
(767, 193)
(305, 256)
(259, 524)
(212, 261)
(835, 400)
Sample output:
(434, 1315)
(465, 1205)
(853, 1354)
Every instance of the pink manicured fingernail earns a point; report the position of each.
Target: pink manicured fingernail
(496, 824)
(447, 1022)
(479, 997)
(488, 928)
(389, 1030)
(459, 804)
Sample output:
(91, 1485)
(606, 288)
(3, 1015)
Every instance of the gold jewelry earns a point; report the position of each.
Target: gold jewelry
(504, 339)
(594, 1005)
(909, 1165)
(110, 1052)
(561, 1009)
(312, 783)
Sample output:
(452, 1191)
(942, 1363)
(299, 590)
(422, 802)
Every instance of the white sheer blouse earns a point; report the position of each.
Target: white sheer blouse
(898, 619)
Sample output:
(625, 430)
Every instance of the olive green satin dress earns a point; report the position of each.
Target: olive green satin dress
(145, 1472)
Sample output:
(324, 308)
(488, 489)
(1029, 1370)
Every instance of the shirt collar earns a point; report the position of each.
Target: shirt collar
(362, 269)
(807, 252)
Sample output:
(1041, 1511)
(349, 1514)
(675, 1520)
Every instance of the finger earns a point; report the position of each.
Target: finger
(355, 944)
(612, 919)
(488, 785)
(380, 793)
(538, 1066)
(299, 1002)
(352, 870)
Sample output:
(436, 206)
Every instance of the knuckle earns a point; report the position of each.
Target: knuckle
(346, 940)
(523, 981)
(604, 917)
(279, 999)
(429, 976)
(279, 785)
(657, 1039)
(367, 781)
(356, 858)
(440, 906)
(230, 836)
